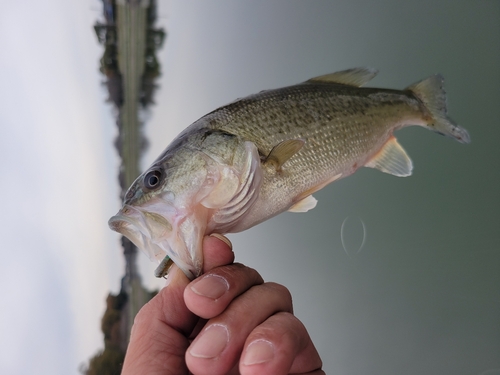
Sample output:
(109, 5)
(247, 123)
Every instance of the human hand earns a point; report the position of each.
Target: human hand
(250, 327)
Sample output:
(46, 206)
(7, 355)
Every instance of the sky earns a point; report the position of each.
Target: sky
(421, 296)
(59, 183)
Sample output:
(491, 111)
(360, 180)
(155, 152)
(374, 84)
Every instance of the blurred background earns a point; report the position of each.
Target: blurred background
(390, 275)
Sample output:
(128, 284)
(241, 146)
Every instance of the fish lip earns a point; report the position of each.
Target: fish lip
(128, 216)
(118, 221)
(130, 222)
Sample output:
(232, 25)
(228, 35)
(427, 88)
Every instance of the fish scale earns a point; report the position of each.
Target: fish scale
(337, 126)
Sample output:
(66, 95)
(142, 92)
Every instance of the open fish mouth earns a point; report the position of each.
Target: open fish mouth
(131, 222)
(177, 238)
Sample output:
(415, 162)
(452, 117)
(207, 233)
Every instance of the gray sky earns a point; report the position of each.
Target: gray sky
(423, 294)
(59, 259)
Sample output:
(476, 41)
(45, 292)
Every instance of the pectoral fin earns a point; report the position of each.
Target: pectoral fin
(306, 204)
(284, 151)
(392, 159)
(309, 202)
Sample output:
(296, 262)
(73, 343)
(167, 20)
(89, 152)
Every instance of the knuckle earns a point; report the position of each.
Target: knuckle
(145, 313)
(251, 272)
(237, 272)
(141, 316)
(281, 290)
(282, 327)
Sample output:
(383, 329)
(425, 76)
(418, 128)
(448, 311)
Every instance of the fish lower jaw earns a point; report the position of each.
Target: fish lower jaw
(131, 230)
(117, 222)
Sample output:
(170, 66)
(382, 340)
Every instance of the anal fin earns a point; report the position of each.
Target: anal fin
(304, 205)
(392, 159)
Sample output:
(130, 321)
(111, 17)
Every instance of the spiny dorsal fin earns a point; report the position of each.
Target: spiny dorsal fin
(352, 77)
(304, 205)
(284, 151)
(392, 158)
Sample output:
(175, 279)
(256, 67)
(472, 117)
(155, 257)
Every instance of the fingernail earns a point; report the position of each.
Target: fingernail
(223, 239)
(211, 286)
(211, 343)
(259, 351)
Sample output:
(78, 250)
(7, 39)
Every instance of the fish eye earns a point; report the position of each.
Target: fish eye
(152, 179)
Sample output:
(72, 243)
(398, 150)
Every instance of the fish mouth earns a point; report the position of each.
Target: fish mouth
(159, 236)
(131, 223)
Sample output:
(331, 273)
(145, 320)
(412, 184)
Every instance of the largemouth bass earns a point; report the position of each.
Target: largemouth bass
(267, 153)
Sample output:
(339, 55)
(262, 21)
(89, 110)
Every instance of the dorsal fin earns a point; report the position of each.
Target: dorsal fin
(392, 158)
(284, 151)
(352, 77)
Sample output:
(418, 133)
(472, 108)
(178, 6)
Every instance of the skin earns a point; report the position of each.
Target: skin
(228, 321)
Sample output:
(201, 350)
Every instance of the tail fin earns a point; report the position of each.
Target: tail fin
(431, 92)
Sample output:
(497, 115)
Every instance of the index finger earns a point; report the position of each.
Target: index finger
(217, 251)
